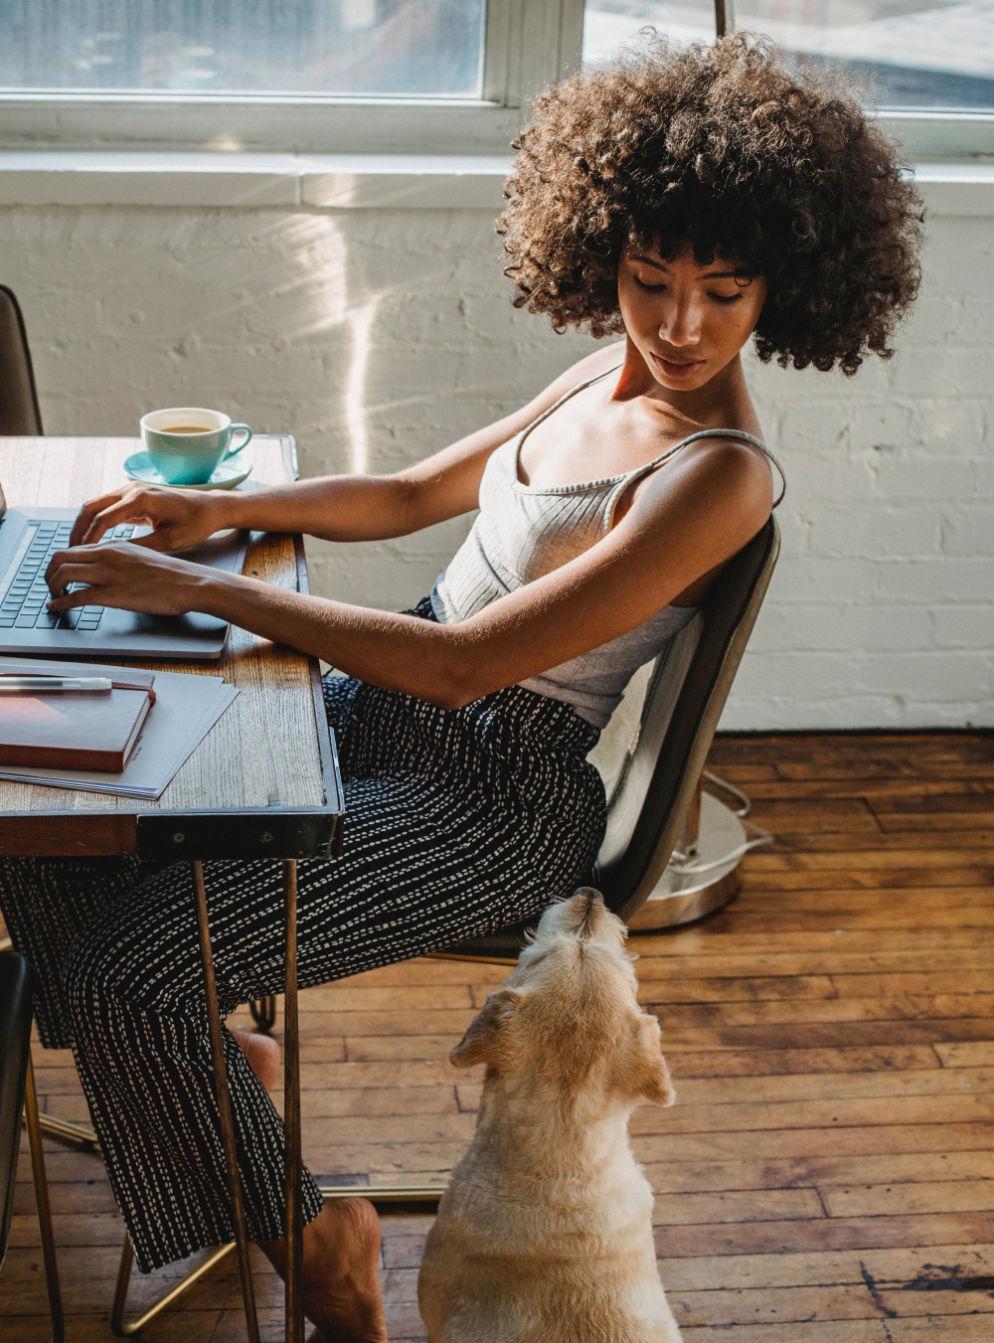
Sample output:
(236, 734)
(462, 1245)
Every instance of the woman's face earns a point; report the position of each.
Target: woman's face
(687, 321)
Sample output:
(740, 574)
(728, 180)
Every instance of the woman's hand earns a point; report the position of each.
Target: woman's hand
(179, 518)
(128, 575)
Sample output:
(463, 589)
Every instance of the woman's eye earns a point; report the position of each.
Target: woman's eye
(658, 289)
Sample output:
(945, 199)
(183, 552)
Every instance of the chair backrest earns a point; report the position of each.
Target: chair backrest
(15, 1034)
(686, 693)
(19, 413)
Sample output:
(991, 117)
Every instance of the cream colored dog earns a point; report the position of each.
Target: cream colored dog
(544, 1234)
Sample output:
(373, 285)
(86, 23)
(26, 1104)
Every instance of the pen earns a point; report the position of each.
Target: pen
(25, 684)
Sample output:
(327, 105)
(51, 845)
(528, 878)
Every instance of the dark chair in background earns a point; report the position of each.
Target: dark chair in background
(19, 413)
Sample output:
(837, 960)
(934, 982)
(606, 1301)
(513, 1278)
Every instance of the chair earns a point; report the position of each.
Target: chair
(657, 788)
(19, 413)
(17, 1092)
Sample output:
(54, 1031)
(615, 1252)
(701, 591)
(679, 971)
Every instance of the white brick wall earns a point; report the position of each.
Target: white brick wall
(377, 336)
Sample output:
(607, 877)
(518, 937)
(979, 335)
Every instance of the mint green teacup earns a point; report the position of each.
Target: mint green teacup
(186, 444)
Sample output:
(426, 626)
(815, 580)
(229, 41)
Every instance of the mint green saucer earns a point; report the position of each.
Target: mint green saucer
(226, 474)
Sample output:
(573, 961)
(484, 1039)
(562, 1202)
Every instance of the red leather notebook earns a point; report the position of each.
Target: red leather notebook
(75, 729)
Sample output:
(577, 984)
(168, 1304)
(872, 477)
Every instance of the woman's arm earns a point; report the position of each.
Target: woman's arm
(333, 508)
(685, 522)
(398, 652)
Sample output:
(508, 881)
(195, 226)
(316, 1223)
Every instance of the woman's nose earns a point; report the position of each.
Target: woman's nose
(681, 326)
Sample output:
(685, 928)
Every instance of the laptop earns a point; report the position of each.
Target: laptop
(29, 537)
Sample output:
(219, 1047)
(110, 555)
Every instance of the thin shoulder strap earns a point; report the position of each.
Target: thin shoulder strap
(570, 391)
(719, 433)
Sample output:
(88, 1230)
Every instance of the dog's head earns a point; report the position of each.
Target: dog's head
(568, 1018)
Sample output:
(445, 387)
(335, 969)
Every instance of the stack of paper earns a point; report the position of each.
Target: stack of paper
(186, 708)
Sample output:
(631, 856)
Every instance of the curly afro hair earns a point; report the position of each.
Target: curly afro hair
(717, 147)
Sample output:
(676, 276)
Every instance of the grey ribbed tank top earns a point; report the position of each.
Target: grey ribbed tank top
(522, 532)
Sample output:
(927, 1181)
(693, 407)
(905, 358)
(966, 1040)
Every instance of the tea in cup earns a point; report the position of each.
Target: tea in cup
(187, 443)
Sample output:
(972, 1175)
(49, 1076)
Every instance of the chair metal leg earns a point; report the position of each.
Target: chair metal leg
(264, 1013)
(64, 1130)
(690, 834)
(44, 1208)
(223, 1097)
(125, 1328)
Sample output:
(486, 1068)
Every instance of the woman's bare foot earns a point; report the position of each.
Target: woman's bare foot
(341, 1272)
(262, 1052)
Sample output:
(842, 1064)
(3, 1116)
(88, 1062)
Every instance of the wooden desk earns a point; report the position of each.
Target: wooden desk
(241, 794)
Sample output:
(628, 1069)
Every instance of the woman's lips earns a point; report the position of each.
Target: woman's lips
(678, 370)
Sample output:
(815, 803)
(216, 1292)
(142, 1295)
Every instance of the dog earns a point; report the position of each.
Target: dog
(544, 1234)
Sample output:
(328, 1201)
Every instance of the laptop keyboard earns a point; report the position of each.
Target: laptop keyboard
(23, 604)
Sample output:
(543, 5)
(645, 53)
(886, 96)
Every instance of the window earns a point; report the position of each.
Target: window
(442, 76)
(928, 64)
(364, 48)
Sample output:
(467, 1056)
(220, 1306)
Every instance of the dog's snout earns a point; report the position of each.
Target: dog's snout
(582, 915)
(590, 903)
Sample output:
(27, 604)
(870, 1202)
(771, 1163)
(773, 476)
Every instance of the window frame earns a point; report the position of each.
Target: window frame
(528, 44)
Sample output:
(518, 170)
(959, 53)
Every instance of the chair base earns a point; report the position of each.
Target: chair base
(684, 894)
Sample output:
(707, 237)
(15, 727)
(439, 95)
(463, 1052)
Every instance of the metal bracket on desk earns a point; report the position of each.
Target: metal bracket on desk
(236, 834)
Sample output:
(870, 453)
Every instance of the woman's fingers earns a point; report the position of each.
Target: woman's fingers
(58, 576)
(86, 596)
(94, 507)
(87, 564)
(122, 574)
(178, 520)
(127, 510)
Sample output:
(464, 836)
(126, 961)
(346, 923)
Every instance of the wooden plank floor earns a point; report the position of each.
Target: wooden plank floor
(826, 1175)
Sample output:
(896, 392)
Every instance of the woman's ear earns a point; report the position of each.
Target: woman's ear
(482, 1042)
(650, 1078)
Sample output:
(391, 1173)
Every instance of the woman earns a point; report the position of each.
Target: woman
(684, 200)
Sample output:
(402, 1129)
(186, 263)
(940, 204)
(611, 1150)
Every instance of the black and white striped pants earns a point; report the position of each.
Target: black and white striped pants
(457, 823)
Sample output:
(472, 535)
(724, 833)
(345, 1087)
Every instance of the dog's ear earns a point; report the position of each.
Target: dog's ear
(481, 1043)
(650, 1078)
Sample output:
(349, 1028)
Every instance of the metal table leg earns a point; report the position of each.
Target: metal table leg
(44, 1209)
(294, 1303)
(224, 1105)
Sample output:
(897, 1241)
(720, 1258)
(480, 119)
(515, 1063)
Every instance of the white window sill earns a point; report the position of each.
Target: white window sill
(339, 181)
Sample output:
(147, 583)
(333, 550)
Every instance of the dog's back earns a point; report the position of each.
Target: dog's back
(498, 1271)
